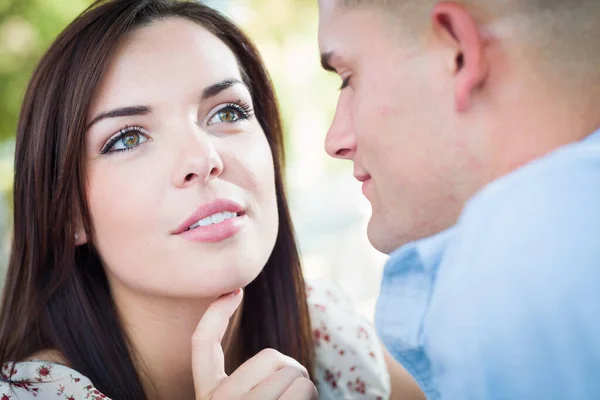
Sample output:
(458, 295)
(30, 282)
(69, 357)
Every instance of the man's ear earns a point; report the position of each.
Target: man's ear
(455, 27)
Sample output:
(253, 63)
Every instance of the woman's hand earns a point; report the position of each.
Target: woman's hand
(267, 376)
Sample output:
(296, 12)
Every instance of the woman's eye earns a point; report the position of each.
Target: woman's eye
(126, 139)
(227, 116)
(230, 113)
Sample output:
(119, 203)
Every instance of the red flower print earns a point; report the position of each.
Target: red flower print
(358, 386)
(331, 378)
(321, 334)
(70, 398)
(5, 397)
(8, 370)
(24, 384)
(332, 297)
(362, 333)
(44, 371)
(319, 307)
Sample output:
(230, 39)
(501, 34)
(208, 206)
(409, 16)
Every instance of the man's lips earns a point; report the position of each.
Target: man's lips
(362, 178)
(208, 209)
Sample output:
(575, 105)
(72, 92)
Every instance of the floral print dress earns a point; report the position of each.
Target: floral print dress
(349, 359)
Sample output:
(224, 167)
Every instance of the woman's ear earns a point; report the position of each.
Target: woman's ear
(80, 235)
(80, 238)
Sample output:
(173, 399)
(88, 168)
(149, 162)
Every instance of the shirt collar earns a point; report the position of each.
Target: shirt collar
(593, 137)
(429, 249)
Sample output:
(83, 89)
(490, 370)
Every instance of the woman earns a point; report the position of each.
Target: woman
(148, 193)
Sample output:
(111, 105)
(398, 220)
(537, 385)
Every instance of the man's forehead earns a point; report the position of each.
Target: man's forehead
(327, 6)
(339, 25)
(332, 24)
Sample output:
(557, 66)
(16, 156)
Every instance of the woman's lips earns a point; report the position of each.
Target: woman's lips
(213, 222)
(216, 232)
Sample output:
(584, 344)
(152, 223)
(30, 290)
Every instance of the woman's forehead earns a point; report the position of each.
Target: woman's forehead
(166, 58)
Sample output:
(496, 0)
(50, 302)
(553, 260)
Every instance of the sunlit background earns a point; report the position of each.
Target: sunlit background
(329, 212)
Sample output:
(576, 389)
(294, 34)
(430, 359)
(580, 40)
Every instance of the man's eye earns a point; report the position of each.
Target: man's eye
(345, 83)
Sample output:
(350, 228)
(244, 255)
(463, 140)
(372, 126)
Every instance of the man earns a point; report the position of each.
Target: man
(473, 127)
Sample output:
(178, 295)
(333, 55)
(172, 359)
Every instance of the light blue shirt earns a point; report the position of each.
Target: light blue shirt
(506, 304)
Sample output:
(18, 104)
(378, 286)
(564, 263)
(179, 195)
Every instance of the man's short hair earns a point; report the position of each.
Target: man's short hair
(562, 34)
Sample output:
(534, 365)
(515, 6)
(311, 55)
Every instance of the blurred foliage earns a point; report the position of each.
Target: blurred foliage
(286, 34)
(27, 27)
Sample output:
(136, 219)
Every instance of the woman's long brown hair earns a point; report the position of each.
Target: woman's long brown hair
(56, 295)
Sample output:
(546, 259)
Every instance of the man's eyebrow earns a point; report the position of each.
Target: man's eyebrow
(120, 112)
(326, 61)
(213, 90)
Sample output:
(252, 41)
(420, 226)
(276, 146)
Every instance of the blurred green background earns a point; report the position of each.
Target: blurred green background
(328, 211)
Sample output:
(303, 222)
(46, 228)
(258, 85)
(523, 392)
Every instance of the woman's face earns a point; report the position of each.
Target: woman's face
(180, 174)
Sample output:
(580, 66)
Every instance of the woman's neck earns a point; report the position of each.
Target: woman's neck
(160, 332)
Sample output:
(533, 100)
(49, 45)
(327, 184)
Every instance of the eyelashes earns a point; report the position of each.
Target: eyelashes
(231, 113)
(130, 137)
(126, 139)
(345, 83)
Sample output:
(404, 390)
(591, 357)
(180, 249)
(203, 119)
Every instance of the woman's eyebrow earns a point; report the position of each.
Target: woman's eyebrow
(208, 92)
(120, 112)
(215, 89)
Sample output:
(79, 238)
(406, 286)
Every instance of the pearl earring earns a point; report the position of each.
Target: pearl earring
(76, 236)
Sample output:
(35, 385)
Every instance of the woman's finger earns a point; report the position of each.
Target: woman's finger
(300, 389)
(255, 371)
(208, 360)
(275, 385)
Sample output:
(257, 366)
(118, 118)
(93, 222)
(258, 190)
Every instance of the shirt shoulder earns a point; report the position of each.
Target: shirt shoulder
(349, 358)
(535, 232)
(568, 174)
(41, 380)
(546, 213)
(518, 289)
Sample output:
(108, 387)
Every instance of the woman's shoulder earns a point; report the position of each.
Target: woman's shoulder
(43, 380)
(349, 358)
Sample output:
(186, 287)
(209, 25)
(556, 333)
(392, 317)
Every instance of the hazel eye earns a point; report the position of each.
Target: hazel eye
(231, 113)
(131, 139)
(126, 139)
(228, 116)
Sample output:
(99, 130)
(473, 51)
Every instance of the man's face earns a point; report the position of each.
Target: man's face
(396, 121)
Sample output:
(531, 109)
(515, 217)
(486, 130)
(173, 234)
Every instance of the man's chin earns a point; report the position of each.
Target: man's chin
(382, 237)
